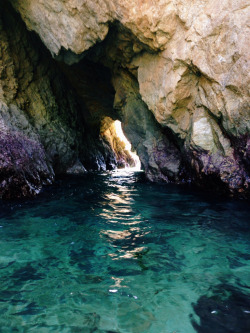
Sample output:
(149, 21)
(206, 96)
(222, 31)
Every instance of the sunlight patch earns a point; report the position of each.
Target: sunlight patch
(122, 137)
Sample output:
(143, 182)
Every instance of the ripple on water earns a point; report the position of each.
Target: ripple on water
(113, 253)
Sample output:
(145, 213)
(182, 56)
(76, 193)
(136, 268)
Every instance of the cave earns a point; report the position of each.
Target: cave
(65, 101)
(124, 166)
(78, 102)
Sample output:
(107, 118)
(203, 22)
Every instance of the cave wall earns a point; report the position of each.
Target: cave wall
(176, 73)
(45, 127)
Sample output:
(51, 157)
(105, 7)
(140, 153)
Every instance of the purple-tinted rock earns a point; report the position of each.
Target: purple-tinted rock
(23, 167)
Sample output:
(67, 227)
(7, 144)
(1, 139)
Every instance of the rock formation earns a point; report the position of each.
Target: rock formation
(176, 73)
(45, 127)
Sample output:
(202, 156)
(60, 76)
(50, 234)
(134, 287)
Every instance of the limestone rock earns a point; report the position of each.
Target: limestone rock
(180, 70)
(160, 158)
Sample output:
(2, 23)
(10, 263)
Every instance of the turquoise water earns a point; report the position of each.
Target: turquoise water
(113, 253)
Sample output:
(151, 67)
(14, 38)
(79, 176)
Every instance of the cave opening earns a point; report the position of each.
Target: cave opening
(126, 157)
(134, 162)
(128, 146)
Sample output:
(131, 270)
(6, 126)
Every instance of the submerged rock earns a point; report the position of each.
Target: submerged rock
(226, 311)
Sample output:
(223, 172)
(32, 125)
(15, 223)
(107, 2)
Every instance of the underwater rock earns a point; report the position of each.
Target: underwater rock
(226, 311)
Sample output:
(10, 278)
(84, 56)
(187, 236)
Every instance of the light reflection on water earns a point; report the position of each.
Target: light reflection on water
(112, 253)
(121, 212)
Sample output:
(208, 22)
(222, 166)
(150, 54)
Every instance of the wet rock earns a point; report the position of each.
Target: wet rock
(76, 169)
(23, 167)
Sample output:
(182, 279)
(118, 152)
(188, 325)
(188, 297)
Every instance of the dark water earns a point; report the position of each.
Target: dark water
(112, 253)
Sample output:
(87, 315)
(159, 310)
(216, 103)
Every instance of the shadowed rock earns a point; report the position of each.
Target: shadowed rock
(23, 167)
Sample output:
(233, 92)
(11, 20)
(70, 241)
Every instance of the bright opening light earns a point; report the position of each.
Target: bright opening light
(122, 137)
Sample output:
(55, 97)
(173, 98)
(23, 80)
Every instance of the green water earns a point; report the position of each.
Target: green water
(113, 253)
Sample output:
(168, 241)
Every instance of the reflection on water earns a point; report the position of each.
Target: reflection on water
(121, 212)
(113, 253)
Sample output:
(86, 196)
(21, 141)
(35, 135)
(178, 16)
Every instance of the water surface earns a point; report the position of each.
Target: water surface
(113, 253)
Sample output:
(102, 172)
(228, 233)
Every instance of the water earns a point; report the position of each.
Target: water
(113, 253)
